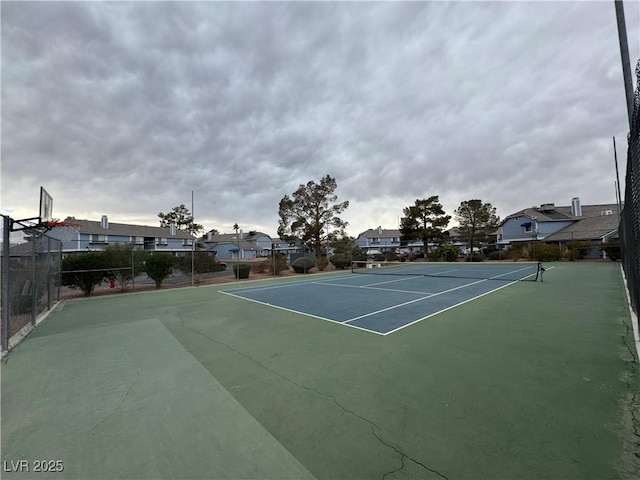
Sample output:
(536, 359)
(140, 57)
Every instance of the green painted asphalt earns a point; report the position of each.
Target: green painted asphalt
(537, 380)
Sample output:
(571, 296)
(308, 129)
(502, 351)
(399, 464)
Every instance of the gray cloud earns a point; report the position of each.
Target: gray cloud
(125, 108)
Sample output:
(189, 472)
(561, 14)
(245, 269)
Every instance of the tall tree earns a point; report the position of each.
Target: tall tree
(311, 212)
(425, 220)
(182, 218)
(477, 221)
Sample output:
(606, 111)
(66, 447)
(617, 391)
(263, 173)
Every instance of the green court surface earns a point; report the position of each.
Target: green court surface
(531, 381)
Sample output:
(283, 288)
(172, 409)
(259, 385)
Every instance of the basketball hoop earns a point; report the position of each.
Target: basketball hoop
(65, 231)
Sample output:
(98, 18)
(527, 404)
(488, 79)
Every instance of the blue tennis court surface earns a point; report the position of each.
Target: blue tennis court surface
(383, 304)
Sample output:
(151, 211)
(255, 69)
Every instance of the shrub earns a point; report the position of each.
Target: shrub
(159, 266)
(87, 271)
(280, 264)
(544, 252)
(612, 249)
(260, 266)
(341, 261)
(241, 270)
(447, 253)
(578, 250)
(498, 255)
(322, 263)
(518, 250)
(266, 266)
(392, 257)
(303, 264)
(203, 262)
(119, 257)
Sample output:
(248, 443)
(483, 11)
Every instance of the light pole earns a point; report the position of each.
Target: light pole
(236, 227)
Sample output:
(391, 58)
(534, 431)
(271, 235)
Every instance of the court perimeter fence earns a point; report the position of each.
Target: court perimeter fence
(629, 230)
(30, 280)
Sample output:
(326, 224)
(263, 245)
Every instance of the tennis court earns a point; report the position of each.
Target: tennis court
(534, 380)
(389, 296)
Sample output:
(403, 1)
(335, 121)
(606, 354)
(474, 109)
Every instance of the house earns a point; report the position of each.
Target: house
(455, 237)
(562, 224)
(377, 241)
(231, 246)
(89, 235)
(287, 248)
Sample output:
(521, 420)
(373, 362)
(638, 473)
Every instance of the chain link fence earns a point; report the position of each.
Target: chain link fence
(630, 218)
(30, 281)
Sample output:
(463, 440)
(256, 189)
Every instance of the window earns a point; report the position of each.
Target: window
(98, 239)
(527, 226)
(187, 242)
(161, 241)
(138, 240)
(375, 240)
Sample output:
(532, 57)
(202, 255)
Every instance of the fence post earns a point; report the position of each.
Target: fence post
(4, 281)
(48, 273)
(34, 286)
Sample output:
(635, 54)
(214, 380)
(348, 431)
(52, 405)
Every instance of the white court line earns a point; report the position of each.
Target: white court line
(293, 283)
(416, 300)
(335, 322)
(304, 282)
(341, 285)
(456, 305)
(449, 308)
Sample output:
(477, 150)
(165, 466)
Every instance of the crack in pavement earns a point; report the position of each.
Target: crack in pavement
(371, 423)
(403, 456)
(135, 380)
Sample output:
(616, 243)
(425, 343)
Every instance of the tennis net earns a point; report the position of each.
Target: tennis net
(510, 272)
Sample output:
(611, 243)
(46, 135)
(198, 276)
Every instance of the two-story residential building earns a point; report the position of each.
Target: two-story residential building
(379, 240)
(562, 224)
(231, 246)
(88, 235)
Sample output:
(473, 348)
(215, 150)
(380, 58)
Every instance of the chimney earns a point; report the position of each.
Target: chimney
(209, 236)
(576, 208)
(379, 230)
(104, 222)
(173, 229)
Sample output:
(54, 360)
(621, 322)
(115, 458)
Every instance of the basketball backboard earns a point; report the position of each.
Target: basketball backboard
(46, 206)
(45, 216)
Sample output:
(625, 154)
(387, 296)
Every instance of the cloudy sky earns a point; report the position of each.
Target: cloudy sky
(124, 109)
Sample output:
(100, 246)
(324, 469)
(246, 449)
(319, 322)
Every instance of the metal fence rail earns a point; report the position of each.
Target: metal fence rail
(30, 280)
(630, 217)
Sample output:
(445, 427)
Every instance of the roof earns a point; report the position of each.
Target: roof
(380, 232)
(589, 228)
(595, 222)
(563, 213)
(222, 238)
(253, 235)
(95, 228)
